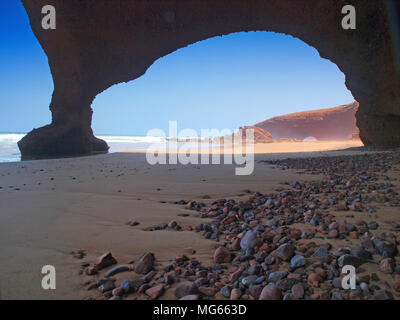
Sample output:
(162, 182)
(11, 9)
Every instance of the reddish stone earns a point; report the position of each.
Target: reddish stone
(228, 220)
(387, 266)
(104, 261)
(118, 292)
(321, 272)
(314, 277)
(295, 233)
(155, 292)
(255, 291)
(208, 291)
(298, 291)
(396, 286)
(333, 234)
(271, 292)
(219, 285)
(236, 294)
(235, 245)
(296, 276)
(265, 247)
(235, 275)
(222, 255)
(333, 225)
(252, 262)
(353, 235)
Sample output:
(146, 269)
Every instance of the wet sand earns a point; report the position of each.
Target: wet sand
(50, 208)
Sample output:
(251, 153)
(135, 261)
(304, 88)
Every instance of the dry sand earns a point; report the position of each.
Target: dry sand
(49, 208)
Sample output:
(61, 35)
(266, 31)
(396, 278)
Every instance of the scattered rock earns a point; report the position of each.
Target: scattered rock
(222, 255)
(185, 289)
(271, 292)
(104, 261)
(145, 263)
(155, 292)
(107, 285)
(117, 269)
(285, 251)
(387, 266)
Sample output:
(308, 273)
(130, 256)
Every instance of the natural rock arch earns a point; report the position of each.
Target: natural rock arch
(99, 43)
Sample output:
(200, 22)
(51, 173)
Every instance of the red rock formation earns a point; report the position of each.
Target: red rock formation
(325, 124)
(355, 135)
(99, 43)
(260, 135)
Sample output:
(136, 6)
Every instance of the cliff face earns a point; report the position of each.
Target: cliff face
(260, 135)
(326, 124)
(99, 43)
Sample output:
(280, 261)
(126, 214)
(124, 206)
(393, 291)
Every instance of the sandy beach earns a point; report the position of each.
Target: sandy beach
(50, 208)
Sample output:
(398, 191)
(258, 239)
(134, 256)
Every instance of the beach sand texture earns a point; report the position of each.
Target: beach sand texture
(49, 208)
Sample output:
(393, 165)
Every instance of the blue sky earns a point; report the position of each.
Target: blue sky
(223, 82)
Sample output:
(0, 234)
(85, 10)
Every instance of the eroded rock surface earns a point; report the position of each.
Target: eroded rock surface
(337, 123)
(99, 43)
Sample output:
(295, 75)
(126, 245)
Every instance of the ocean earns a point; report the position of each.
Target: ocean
(9, 151)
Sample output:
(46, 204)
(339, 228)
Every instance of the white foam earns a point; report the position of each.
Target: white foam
(9, 149)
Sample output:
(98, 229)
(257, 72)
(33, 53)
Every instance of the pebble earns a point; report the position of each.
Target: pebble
(321, 252)
(107, 285)
(116, 270)
(298, 261)
(266, 253)
(236, 294)
(172, 224)
(271, 292)
(104, 261)
(155, 292)
(145, 263)
(186, 288)
(285, 251)
(387, 266)
(127, 286)
(226, 291)
(222, 255)
(348, 259)
(298, 291)
(247, 240)
(276, 276)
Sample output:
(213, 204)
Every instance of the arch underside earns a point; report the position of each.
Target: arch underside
(99, 43)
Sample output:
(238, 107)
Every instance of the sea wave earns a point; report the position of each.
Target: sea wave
(9, 151)
(131, 139)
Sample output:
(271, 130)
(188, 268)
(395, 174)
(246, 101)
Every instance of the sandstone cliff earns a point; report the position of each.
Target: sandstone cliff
(325, 124)
(260, 135)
